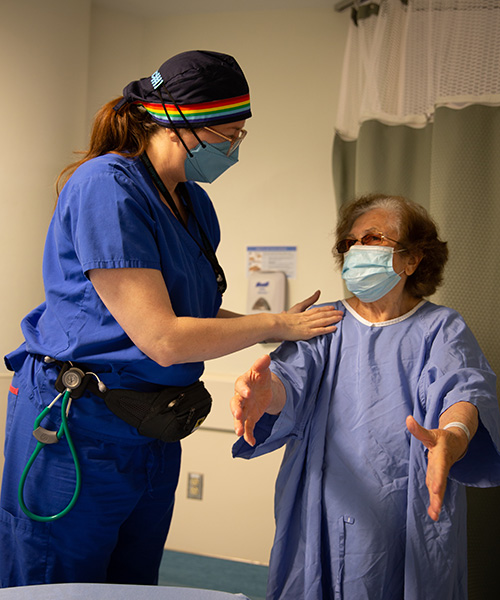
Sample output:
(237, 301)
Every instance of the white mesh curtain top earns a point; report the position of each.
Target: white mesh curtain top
(413, 58)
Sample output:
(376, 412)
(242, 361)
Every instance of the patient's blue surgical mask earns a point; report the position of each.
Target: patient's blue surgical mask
(207, 162)
(368, 272)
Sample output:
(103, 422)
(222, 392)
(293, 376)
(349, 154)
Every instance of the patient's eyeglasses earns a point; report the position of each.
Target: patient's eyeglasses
(235, 140)
(370, 239)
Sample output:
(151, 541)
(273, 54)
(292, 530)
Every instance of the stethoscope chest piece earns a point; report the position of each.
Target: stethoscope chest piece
(72, 378)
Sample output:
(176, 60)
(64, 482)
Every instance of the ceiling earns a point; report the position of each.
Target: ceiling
(162, 8)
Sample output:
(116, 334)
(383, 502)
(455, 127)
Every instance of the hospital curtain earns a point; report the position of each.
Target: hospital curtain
(419, 116)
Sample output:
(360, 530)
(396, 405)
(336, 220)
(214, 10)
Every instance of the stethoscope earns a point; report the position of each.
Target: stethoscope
(74, 382)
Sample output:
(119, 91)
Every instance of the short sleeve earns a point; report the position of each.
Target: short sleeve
(108, 217)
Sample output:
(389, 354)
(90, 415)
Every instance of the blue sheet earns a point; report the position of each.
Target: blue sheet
(351, 500)
(84, 591)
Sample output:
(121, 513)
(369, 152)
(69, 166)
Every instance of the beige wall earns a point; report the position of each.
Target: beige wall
(43, 99)
(281, 193)
(43, 83)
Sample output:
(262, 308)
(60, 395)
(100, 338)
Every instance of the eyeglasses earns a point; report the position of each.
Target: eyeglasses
(370, 239)
(235, 140)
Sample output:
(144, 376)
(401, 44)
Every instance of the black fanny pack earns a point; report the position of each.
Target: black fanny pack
(170, 414)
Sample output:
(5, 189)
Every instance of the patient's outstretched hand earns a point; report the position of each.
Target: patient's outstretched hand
(253, 395)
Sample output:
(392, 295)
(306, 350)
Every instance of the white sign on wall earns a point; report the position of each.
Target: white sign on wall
(272, 258)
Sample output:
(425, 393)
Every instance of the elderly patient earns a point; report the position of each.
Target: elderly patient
(384, 420)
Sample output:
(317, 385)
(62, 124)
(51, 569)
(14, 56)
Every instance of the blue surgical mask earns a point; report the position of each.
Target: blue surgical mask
(368, 272)
(207, 162)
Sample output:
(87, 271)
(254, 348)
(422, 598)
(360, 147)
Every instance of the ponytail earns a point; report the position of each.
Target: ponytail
(125, 131)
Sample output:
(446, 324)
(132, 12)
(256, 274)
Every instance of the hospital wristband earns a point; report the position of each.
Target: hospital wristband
(461, 426)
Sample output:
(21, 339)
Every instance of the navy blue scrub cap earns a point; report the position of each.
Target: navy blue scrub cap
(201, 87)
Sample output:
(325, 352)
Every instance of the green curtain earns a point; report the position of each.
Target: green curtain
(451, 166)
(386, 159)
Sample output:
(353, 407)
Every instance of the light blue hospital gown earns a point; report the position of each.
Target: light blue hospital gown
(351, 500)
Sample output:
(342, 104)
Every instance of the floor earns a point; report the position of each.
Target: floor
(180, 569)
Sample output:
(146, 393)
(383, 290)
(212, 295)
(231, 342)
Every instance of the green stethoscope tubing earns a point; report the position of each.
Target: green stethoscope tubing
(63, 430)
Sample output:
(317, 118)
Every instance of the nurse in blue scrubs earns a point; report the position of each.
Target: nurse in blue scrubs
(133, 294)
(384, 420)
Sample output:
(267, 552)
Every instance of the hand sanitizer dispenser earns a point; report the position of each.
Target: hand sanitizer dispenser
(266, 292)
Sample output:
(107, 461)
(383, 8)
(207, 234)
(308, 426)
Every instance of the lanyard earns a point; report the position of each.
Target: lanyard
(207, 249)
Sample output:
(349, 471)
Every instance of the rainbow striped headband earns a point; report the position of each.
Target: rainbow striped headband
(216, 111)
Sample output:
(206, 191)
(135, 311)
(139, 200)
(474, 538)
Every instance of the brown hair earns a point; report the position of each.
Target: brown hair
(417, 233)
(126, 132)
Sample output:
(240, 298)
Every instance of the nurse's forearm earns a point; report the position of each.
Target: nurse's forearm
(227, 314)
(187, 339)
(190, 339)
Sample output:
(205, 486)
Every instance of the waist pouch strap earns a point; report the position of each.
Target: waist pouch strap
(169, 415)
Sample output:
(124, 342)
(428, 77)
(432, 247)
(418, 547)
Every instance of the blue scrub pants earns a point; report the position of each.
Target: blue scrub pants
(116, 531)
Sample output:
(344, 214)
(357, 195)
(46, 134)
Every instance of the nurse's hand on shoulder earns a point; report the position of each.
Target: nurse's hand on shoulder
(445, 449)
(256, 392)
(299, 323)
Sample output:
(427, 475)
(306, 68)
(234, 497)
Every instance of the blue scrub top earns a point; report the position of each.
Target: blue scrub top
(351, 499)
(110, 216)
